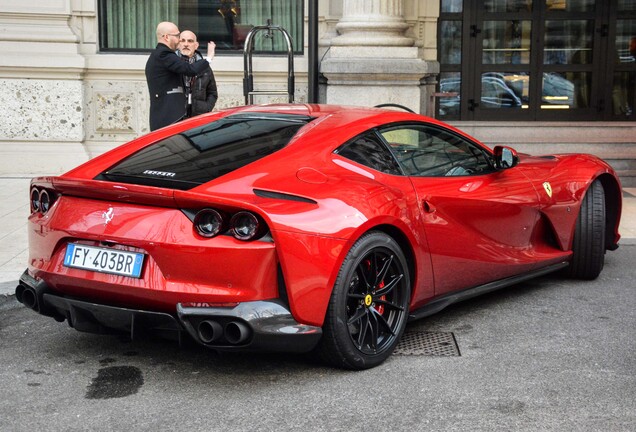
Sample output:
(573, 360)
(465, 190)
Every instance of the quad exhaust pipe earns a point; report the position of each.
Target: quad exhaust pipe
(28, 297)
(32, 297)
(210, 331)
(234, 332)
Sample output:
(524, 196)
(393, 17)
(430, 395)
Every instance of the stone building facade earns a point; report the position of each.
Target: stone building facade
(65, 101)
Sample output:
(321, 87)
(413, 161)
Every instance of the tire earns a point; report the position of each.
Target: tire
(588, 245)
(369, 305)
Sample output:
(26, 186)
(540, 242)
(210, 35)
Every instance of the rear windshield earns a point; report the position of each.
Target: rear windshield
(200, 155)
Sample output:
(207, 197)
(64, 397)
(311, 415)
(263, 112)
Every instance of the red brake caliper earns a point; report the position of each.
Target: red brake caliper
(380, 307)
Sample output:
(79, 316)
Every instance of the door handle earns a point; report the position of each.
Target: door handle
(474, 30)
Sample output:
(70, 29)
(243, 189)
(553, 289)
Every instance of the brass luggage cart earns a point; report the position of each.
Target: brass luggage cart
(248, 78)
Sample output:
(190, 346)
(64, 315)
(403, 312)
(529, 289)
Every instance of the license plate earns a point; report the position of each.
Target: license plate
(104, 260)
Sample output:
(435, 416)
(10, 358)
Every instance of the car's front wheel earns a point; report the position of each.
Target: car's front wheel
(588, 245)
(369, 305)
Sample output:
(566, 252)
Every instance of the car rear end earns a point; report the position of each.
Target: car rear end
(136, 248)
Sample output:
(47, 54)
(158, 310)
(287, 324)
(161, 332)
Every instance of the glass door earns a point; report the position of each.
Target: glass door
(502, 34)
(572, 36)
(537, 60)
(622, 67)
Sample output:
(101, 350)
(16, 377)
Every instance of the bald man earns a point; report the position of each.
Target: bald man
(164, 71)
(201, 90)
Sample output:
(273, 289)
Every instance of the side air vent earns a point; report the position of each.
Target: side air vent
(283, 196)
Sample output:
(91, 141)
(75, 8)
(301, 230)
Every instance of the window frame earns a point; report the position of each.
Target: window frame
(102, 38)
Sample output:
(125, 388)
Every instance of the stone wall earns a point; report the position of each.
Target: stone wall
(37, 109)
(65, 102)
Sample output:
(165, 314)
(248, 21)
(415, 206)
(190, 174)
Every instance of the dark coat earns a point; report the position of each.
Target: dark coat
(164, 71)
(204, 92)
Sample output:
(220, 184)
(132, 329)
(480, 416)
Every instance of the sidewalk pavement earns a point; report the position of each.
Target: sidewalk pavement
(14, 210)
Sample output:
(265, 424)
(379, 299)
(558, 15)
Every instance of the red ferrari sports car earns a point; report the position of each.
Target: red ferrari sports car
(306, 227)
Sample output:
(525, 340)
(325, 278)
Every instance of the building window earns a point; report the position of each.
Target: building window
(537, 60)
(129, 25)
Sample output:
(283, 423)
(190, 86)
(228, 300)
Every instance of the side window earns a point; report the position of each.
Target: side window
(426, 151)
(370, 151)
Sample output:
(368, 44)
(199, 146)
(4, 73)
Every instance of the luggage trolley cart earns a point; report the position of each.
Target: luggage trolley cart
(248, 78)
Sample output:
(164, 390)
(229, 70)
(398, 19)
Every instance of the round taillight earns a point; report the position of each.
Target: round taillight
(245, 226)
(45, 201)
(208, 222)
(35, 200)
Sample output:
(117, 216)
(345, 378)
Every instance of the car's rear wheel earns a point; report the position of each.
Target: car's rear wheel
(369, 305)
(588, 245)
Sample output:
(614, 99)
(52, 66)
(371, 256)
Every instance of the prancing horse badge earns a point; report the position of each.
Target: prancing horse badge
(548, 188)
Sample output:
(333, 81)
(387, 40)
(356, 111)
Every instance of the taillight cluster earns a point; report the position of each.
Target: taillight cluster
(243, 225)
(41, 199)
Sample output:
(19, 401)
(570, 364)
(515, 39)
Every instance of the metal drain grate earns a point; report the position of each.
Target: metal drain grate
(427, 343)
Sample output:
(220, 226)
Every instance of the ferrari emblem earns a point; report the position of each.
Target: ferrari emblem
(108, 215)
(368, 300)
(548, 188)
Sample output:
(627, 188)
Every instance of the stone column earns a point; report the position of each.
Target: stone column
(372, 61)
(372, 23)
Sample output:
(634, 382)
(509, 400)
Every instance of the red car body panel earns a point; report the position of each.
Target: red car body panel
(459, 232)
(179, 267)
(569, 177)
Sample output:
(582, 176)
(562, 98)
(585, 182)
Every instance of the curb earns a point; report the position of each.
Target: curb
(6, 300)
(627, 242)
(7, 291)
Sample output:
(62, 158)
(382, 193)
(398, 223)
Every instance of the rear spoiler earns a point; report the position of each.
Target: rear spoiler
(104, 190)
(135, 194)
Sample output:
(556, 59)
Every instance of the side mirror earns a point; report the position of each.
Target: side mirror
(505, 157)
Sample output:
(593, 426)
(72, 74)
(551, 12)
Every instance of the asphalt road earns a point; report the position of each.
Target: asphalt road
(551, 354)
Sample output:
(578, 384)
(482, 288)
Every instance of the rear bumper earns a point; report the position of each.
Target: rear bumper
(265, 325)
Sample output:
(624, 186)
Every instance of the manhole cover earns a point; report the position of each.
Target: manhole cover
(427, 343)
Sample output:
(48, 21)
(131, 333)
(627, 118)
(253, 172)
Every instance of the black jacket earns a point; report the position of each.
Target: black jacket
(164, 71)
(202, 88)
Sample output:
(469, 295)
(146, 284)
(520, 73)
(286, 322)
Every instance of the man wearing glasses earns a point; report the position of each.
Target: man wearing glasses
(164, 71)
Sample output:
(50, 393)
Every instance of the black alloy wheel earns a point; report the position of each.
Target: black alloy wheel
(368, 309)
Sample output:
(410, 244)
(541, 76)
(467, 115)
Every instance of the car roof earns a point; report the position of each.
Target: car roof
(339, 115)
(346, 114)
(348, 119)
(314, 110)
